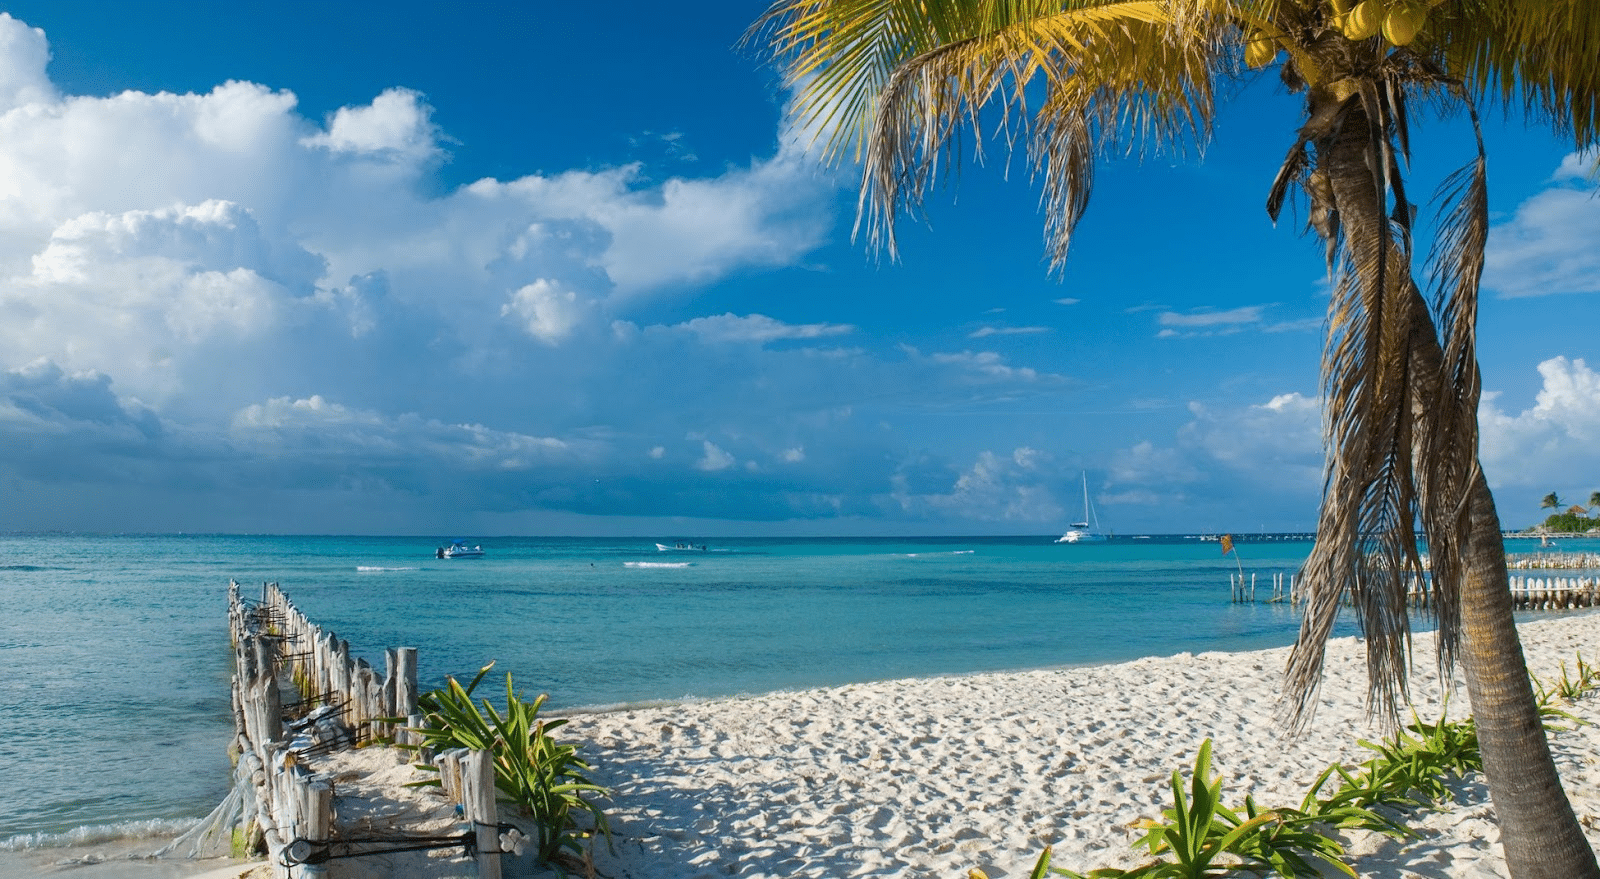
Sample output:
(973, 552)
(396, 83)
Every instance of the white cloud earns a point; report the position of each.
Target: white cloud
(1551, 243)
(1207, 322)
(1226, 468)
(984, 332)
(547, 312)
(396, 124)
(136, 295)
(995, 488)
(682, 231)
(714, 458)
(1555, 442)
(24, 52)
(1580, 166)
(186, 245)
(759, 328)
(988, 365)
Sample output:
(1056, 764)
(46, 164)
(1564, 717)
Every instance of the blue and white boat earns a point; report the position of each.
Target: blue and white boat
(460, 550)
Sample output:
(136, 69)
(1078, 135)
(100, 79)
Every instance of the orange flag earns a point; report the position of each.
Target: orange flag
(1227, 543)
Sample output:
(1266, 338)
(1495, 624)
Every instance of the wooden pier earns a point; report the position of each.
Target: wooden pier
(281, 805)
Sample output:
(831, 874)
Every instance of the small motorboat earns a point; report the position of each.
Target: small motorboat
(460, 550)
(681, 547)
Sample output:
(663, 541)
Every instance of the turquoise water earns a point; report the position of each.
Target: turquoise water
(114, 713)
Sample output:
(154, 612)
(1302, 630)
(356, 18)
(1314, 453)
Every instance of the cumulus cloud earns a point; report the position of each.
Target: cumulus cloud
(994, 488)
(24, 52)
(546, 311)
(714, 458)
(1261, 461)
(397, 124)
(1551, 242)
(1550, 444)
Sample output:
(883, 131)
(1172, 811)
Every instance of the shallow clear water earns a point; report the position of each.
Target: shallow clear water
(114, 701)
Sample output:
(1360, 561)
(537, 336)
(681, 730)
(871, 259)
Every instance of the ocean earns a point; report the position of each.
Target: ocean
(114, 702)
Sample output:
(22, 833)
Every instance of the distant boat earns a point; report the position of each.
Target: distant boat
(681, 547)
(1080, 532)
(460, 550)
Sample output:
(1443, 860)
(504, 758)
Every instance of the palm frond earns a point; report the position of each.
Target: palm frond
(1366, 549)
(897, 84)
(1539, 57)
(1450, 443)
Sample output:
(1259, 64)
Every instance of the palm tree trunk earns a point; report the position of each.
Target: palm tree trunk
(1539, 833)
(1538, 830)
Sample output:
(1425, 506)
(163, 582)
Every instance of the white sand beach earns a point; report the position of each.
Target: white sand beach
(935, 777)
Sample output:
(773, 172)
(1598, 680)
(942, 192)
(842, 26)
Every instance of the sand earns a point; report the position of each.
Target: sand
(934, 777)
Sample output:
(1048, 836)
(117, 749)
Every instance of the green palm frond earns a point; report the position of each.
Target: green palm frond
(896, 85)
(1538, 58)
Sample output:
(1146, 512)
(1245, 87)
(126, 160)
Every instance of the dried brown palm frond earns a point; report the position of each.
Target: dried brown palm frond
(1402, 426)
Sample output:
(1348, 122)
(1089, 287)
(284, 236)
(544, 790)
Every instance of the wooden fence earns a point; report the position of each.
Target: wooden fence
(1527, 593)
(285, 807)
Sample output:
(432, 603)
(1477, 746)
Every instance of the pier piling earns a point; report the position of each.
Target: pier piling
(284, 807)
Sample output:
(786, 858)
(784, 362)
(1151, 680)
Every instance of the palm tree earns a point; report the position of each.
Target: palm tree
(1552, 502)
(897, 84)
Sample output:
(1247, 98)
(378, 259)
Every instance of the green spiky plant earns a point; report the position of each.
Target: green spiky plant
(1568, 688)
(1408, 770)
(1201, 838)
(543, 777)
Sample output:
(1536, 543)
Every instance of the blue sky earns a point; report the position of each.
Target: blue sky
(550, 269)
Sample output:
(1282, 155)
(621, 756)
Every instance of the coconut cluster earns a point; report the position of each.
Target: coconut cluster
(1399, 20)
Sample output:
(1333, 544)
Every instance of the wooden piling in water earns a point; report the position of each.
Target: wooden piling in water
(1527, 593)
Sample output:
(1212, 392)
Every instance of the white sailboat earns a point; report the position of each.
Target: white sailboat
(1080, 532)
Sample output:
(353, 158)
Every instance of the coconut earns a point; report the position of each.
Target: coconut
(1364, 20)
(1400, 26)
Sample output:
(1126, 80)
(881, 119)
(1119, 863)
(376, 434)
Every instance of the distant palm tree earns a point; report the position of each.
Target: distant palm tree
(1594, 496)
(897, 83)
(1551, 502)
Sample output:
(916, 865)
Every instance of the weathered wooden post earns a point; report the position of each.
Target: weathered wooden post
(316, 817)
(478, 805)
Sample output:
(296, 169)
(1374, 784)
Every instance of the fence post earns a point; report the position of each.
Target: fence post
(477, 802)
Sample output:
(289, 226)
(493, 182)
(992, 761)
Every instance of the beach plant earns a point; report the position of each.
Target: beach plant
(1407, 770)
(1350, 806)
(1552, 716)
(543, 777)
(1199, 837)
(1569, 688)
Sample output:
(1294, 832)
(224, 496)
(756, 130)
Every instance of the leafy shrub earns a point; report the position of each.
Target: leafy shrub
(543, 777)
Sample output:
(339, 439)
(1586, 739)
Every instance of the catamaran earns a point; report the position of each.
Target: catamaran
(1079, 532)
